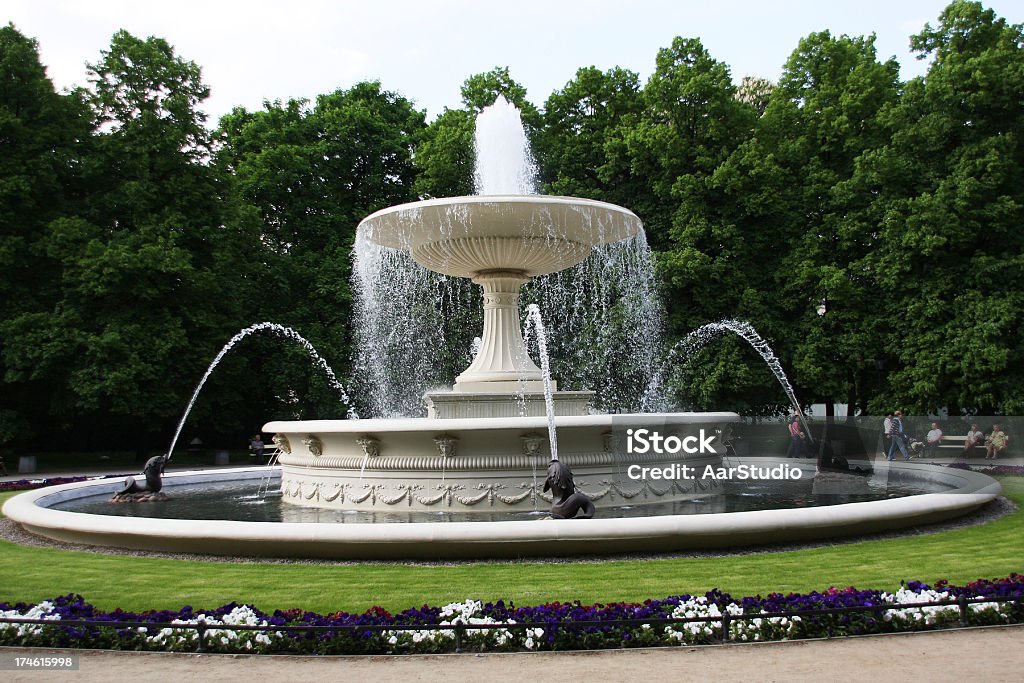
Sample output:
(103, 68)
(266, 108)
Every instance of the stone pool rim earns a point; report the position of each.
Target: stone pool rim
(486, 540)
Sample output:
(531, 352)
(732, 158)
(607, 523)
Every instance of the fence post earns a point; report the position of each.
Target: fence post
(201, 633)
(961, 602)
(459, 628)
(726, 623)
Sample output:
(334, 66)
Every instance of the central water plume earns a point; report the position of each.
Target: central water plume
(504, 164)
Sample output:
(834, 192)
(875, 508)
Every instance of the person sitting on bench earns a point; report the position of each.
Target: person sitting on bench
(996, 442)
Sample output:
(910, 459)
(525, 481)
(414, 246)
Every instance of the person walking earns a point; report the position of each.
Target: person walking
(796, 438)
(886, 433)
(899, 437)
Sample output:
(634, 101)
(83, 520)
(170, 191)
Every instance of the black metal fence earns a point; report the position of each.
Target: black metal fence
(460, 629)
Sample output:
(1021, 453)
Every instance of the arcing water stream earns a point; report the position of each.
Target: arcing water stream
(699, 337)
(279, 330)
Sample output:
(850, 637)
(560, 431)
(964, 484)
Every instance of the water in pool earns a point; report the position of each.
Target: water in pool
(250, 501)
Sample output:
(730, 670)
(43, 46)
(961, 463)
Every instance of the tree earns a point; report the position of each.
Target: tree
(304, 177)
(444, 157)
(40, 154)
(822, 119)
(144, 268)
(578, 121)
(691, 121)
(140, 83)
(948, 209)
(479, 91)
(784, 185)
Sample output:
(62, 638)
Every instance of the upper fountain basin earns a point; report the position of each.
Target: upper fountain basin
(529, 234)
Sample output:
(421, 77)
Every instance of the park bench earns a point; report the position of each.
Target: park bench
(270, 453)
(949, 446)
(954, 445)
(953, 442)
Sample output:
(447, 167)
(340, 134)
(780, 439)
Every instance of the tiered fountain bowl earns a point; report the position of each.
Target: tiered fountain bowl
(483, 443)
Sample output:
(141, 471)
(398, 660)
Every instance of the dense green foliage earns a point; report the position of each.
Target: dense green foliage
(135, 240)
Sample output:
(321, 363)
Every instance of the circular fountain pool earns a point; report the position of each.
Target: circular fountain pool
(822, 506)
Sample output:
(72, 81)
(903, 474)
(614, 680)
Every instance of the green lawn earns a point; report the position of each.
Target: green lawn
(962, 555)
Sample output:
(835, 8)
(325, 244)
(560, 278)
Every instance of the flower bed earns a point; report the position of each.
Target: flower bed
(501, 626)
(27, 484)
(992, 470)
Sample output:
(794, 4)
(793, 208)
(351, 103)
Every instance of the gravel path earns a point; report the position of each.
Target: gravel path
(984, 654)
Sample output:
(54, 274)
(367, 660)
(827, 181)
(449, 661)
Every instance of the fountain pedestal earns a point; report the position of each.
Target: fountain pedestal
(502, 362)
(457, 404)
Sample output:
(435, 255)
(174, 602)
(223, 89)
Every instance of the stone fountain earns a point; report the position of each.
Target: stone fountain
(484, 440)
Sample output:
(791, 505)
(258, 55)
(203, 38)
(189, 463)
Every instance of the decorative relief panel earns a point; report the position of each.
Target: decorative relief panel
(451, 494)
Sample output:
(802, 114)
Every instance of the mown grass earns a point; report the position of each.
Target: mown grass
(990, 550)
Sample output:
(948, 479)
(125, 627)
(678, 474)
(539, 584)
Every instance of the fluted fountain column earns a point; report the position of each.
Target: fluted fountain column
(502, 356)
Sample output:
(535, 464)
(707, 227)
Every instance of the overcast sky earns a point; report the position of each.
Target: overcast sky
(263, 50)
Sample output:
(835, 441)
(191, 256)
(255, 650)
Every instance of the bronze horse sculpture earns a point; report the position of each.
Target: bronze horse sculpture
(566, 501)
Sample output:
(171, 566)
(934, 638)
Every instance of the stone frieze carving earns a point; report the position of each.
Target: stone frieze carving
(447, 495)
(490, 494)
